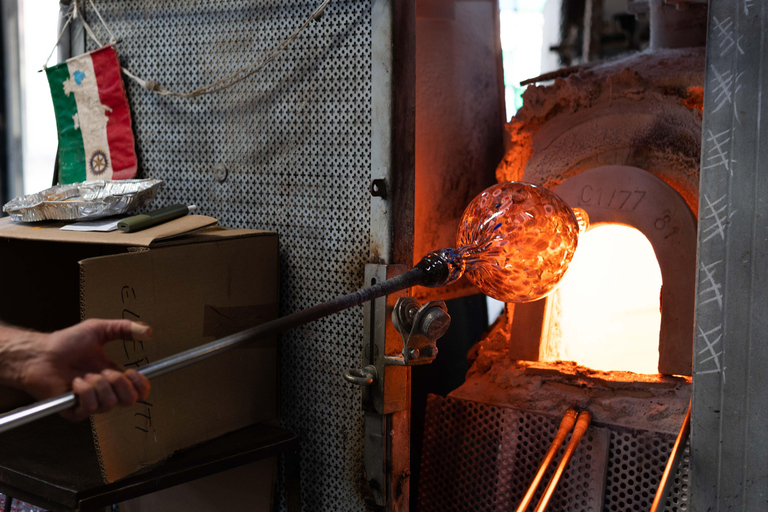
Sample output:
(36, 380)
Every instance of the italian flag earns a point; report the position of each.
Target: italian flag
(92, 118)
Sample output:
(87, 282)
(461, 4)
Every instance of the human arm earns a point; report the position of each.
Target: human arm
(49, 364)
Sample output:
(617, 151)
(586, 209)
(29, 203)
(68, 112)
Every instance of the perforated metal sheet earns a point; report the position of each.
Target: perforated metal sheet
(635, 468)
(479, 457)
(679, 494)
(296, 141)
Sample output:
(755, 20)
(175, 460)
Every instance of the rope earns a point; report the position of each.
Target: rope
(88, 29)
(112, 37)
(219, 85)
(61, 34)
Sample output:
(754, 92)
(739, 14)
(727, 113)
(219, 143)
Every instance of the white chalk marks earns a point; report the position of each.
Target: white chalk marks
(725, 85)
(712, 339)
(718, 153)
(717, 212)
(714, 290)
(724, 32)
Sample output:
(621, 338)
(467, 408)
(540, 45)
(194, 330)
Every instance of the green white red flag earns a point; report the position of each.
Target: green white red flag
(93, 118)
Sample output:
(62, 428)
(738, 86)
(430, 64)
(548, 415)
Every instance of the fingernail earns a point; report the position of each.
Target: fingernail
(140, 331)
(133, 376)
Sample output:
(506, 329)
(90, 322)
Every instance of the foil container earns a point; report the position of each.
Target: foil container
(83, 201)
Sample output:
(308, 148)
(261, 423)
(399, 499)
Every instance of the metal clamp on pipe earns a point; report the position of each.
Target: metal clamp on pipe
(420, 327)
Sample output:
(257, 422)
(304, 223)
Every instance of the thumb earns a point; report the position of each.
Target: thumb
(109, 330)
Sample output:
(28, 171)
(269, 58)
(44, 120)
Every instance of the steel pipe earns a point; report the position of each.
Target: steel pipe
(578, 432)
(566, 424)
(425, 273)
(674, 461)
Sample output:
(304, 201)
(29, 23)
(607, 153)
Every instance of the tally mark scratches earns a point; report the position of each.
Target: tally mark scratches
(718, 153)
(711, 348)
(717, 213)
(723, 87)
(714, 289)
(725, 30)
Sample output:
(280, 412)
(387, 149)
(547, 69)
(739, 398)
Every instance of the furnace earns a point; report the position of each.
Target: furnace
(622, 141)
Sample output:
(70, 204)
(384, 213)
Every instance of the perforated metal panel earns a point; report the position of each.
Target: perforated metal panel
(479, 457)
(635, 468)
(679, 494)
(296, 141)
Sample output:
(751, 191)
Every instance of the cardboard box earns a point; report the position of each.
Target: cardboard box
(191, 286)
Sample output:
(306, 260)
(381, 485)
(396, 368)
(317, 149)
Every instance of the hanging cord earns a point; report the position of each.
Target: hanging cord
(224, 83)
(72, 14)
(112, 38)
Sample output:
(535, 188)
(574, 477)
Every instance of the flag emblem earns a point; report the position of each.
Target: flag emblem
(99, 162)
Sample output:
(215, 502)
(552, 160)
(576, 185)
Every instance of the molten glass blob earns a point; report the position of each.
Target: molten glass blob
(515, 242)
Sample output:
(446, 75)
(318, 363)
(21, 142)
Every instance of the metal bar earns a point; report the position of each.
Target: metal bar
(382, 212)
(24, 415)
(566, 424)
(13, 173)
(674, 461)
(581, 426)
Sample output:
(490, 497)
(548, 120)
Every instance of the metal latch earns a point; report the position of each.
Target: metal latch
(420, 327)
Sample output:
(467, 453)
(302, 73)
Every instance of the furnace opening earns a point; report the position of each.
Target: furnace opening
(609, 302)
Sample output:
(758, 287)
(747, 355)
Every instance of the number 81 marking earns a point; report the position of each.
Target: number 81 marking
(664, 222)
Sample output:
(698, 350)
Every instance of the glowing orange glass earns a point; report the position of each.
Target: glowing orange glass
(515, 241)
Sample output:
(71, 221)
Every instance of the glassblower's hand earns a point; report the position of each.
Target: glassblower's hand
(48, 365)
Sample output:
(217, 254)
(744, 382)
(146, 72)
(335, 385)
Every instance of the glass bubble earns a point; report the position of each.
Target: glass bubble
(515, 241)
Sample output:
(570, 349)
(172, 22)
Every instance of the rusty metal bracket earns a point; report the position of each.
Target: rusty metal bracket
(385, 388)
(389, 349)
(386, 400)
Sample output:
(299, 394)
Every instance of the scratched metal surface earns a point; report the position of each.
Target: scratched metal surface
(296, 140)
(729, 458)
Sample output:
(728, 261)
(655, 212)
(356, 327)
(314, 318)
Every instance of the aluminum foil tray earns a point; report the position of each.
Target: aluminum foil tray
(81, 201)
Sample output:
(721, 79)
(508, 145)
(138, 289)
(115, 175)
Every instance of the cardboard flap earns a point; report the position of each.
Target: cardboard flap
(49, 231)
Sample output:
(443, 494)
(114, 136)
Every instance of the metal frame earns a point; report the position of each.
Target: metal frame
(729, 457)
(13, 121)
(73, 40)
(382, 99)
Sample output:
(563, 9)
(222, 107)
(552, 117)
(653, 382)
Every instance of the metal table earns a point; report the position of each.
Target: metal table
(53, 464)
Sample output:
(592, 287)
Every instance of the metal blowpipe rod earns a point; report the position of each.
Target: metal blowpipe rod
(578, 431)
(660, 500)
(427, 273)
(562, 432)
